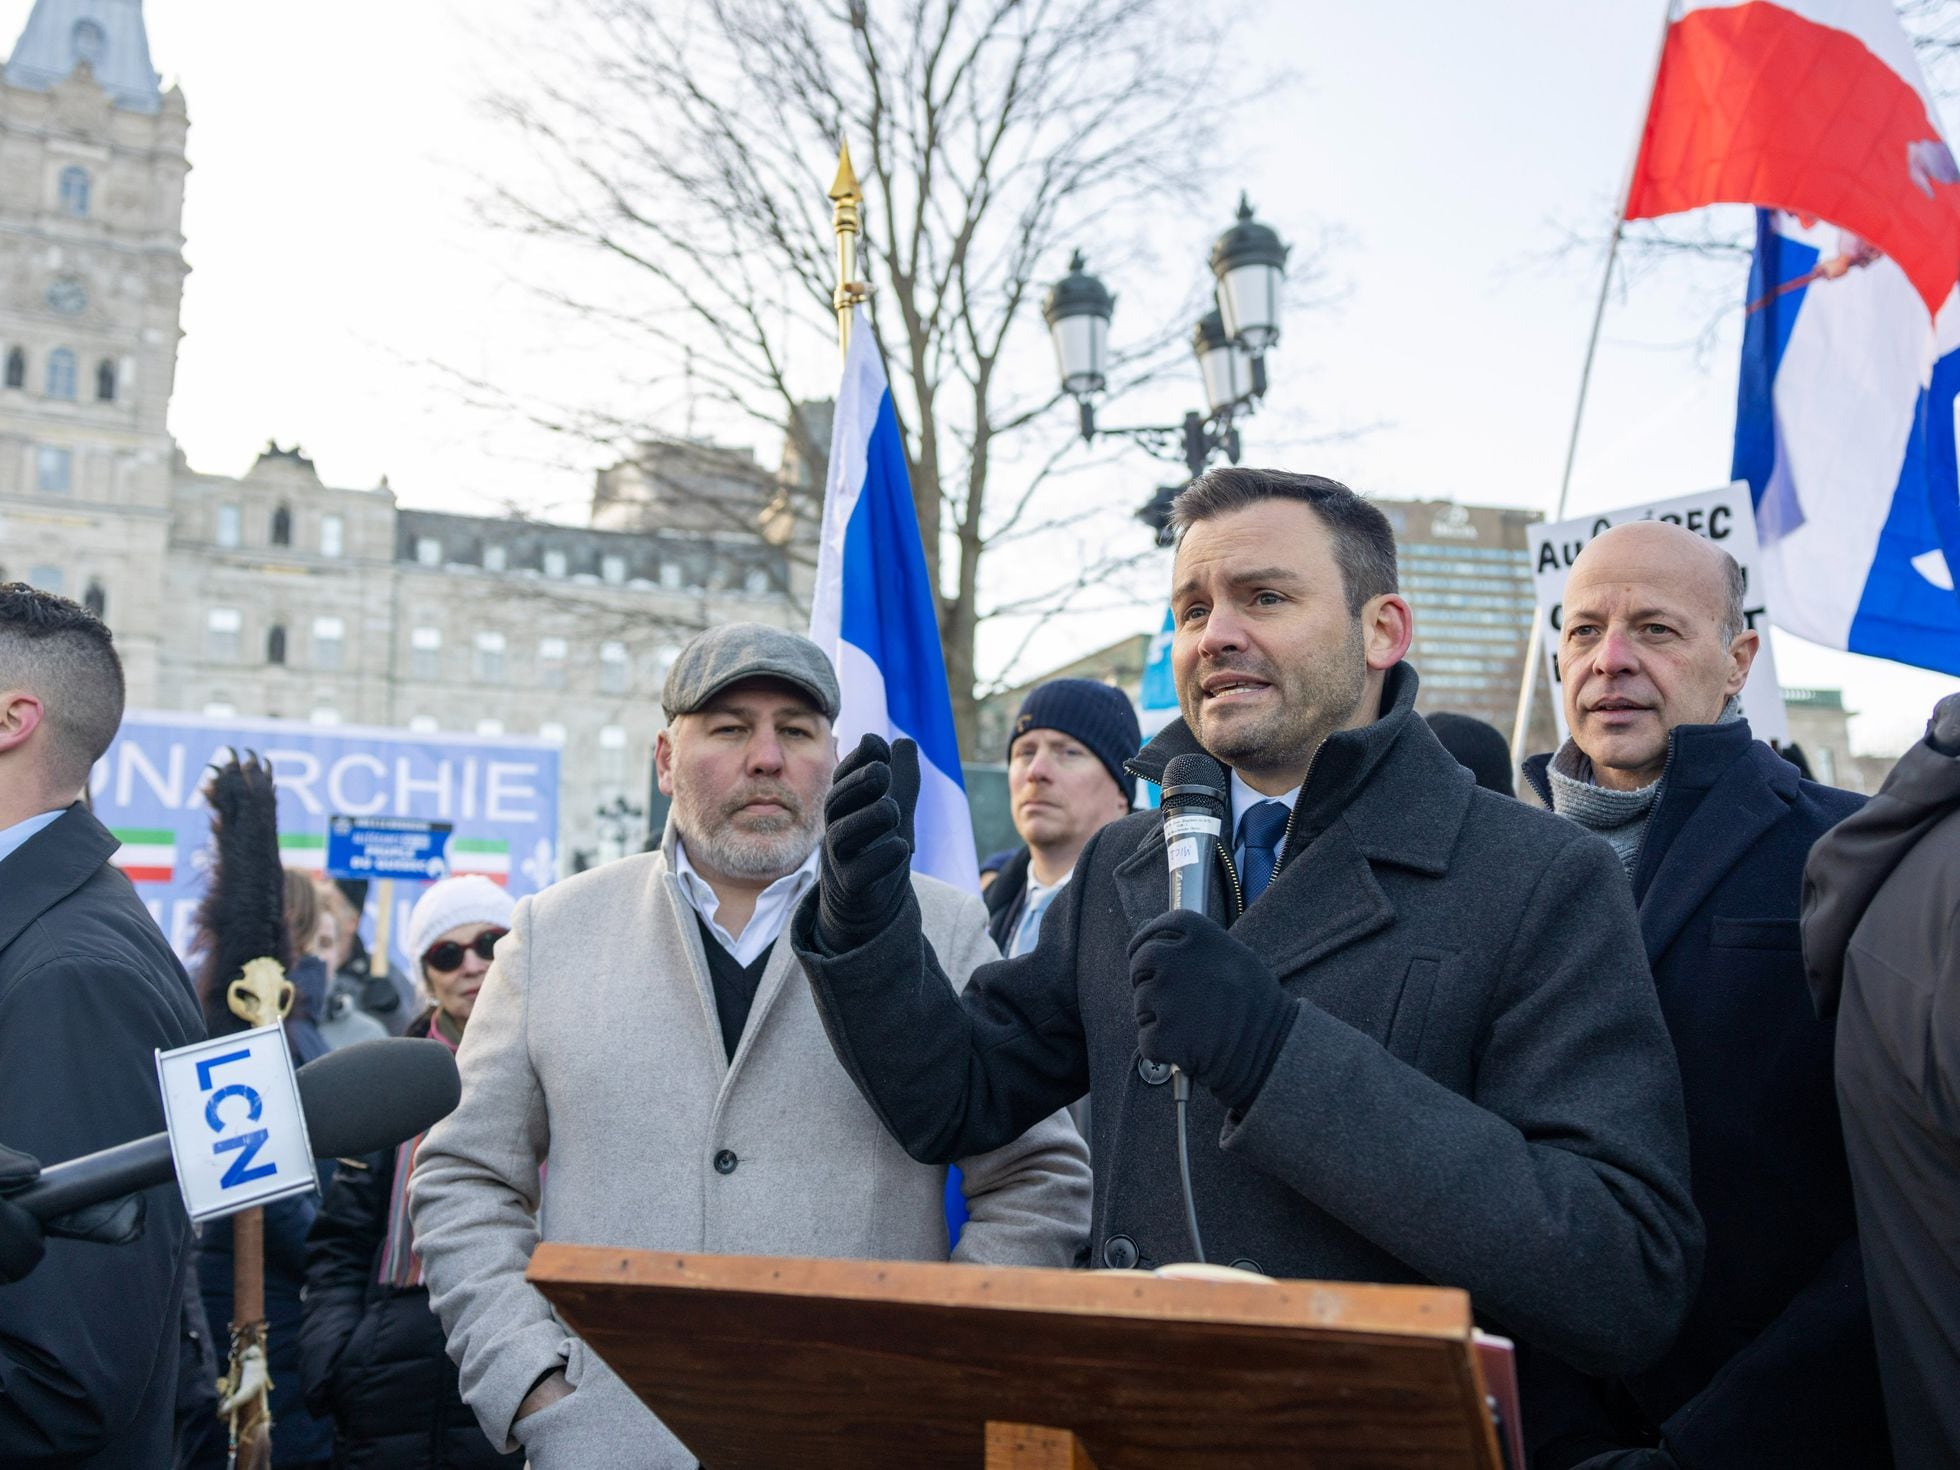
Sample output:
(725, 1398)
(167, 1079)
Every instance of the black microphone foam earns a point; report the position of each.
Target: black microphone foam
(1194, 778)
(376, 1094)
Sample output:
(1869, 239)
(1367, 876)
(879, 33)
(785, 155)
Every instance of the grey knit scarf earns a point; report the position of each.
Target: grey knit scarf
(1618, 816)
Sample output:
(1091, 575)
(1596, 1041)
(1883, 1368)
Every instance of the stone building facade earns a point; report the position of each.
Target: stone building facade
(277, 595)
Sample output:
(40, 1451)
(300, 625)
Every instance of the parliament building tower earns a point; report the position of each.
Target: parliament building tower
(92, 169)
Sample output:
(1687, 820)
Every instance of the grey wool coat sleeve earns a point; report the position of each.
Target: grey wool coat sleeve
(1027, 1201)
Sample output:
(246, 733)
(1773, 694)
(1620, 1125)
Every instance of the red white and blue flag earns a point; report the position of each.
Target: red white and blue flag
(1817, 112)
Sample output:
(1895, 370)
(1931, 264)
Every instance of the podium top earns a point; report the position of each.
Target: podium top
(761, 1361)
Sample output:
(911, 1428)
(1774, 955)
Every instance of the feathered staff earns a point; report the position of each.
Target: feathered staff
(246, 952)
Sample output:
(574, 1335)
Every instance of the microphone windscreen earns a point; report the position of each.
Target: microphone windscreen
(376, 1094)
(1194, 776)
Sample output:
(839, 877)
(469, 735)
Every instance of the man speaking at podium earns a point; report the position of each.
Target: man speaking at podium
(1427, 1050)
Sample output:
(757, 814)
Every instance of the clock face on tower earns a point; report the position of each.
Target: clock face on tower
(68, 296)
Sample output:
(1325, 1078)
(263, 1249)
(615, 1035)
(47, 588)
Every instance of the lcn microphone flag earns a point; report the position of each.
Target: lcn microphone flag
(874, 611)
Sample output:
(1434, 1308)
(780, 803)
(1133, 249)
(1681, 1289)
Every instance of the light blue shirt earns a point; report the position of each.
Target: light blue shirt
(14, 836)
(1034, 903)
(1243, 797)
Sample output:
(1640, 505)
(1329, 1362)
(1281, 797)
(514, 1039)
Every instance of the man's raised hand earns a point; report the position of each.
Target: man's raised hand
(866, 869)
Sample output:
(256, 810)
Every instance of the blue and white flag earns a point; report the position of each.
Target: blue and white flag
(1845, 432)
(875, 611)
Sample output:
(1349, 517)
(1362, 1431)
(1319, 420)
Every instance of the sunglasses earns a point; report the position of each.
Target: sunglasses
(448, 955)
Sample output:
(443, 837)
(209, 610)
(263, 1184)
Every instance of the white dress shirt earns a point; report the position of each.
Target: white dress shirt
(773, 905)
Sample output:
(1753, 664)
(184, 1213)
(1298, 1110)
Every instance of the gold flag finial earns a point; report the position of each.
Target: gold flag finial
(846, 197)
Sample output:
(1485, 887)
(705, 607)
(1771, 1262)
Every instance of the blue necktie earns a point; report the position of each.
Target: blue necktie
(1260, 832)
(1028, 931)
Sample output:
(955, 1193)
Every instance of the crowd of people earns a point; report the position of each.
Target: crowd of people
(1655, 1054)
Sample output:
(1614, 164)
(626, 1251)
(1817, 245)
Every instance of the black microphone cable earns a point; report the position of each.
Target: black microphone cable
(1181, 1095)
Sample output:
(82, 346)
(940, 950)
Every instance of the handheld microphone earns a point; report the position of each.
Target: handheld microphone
(1194, 816)
(1193, 796)
(361, 1099)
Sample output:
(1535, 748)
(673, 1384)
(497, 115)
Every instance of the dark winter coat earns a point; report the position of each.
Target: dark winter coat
(1004, 897)
(1881, 929)
(372, 1356)
(89, 991)
(1775, 1365)
(1477, 1089)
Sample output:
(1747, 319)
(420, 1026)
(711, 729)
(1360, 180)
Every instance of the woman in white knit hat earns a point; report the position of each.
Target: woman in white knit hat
(391, 1389)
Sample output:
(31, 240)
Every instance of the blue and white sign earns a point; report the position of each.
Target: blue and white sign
(387, 847)
(237, 1132)
(498, 795)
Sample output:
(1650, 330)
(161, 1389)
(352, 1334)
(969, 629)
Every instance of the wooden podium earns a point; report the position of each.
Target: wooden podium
(756, 1362)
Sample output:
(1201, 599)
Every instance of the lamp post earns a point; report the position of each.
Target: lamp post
(1248, 263)
(618, 821)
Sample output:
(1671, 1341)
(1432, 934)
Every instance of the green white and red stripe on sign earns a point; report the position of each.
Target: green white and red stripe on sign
(306, 851)
(147, 854)
(487, 856)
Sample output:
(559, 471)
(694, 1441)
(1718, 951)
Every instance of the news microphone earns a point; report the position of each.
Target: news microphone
(1193, 797)
(1194, 793)
(361, 1099)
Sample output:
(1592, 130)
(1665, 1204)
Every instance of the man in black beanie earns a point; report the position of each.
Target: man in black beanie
(1066, 782)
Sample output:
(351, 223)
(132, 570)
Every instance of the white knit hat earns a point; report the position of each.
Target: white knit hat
(472, 899)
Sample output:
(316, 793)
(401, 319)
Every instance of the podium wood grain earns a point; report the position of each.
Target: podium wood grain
(841, 1365)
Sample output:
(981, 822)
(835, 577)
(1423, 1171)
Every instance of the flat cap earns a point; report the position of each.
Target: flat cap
(735, 651)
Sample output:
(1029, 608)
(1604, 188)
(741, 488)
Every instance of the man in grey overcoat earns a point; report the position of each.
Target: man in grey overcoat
(642, 1030)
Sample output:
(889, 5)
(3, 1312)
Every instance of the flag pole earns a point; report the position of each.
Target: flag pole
(845, 200)
(1528, 677)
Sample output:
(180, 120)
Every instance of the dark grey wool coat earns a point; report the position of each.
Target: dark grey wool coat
(1478, 1090)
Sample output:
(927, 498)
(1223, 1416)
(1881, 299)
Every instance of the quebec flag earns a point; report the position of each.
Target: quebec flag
(874, 611)
(1844, 430)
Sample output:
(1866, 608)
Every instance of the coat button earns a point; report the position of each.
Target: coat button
(1245, 1263)
(1155, 1073)
(1119, 1253)
(725, 1161)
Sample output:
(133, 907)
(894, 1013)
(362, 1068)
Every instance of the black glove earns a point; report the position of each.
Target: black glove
(21, 1242)
(1208, 1004)
(867, 843)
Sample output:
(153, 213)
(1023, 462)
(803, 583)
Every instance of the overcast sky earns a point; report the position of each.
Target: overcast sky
(341, 274)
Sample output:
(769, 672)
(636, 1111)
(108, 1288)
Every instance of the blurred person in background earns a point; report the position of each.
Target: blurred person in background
(1066, 782)
(388, 997)
(1881, 940)
(372, 1352)
(90, 1333)
(1480, 748)
(314, 926)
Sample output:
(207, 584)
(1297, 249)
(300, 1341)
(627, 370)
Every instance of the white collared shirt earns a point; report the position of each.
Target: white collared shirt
(15, 836)
(1244, 797)
(773, 905)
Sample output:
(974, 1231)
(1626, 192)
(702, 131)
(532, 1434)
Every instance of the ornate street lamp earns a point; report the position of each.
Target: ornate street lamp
(1077, 310)
(1249, 262)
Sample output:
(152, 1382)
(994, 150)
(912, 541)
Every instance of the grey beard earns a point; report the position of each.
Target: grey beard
(758, 856)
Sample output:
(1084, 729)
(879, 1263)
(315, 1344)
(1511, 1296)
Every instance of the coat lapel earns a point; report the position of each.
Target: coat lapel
(1323, 900)
(674, 909)
(49, 866)
(1728, 818)
(775, 979)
